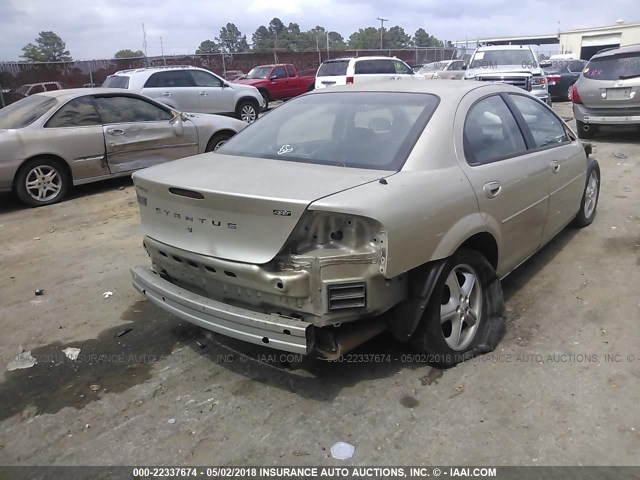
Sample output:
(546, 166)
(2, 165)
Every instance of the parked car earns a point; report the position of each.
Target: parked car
(9, 96)
(345, 71)
(191, 89)
(50, 141)
(351, 210)
(512, 64)
(279, 81)
(445, 69)
(33, 88)
(608, 91)
(233, 75)
(561, 75)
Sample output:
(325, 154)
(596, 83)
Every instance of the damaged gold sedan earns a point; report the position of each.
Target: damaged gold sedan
(354, 210)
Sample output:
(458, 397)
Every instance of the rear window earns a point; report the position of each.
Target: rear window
(371, 130)
(615, 67)
(116, 81)
(333, 69)
(26, 111)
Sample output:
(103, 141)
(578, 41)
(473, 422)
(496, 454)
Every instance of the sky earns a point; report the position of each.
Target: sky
(96, 29)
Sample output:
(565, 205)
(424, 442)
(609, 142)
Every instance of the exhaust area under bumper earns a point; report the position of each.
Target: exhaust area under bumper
(270, 330)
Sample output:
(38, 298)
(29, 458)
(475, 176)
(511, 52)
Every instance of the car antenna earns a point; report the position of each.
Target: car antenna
(383, 181)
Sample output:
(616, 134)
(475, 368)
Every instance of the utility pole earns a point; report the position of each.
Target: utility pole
(164, 60)
(144, 44)
(382, 20)
(327, 45)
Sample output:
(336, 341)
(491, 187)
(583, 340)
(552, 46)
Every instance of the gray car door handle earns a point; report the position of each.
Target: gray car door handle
(166, 94)
(115, 131)
(204, 94)
(555, 166)
(492, 189)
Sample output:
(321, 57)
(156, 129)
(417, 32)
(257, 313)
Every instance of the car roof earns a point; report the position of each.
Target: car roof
(370, 57)
(168, 68)
(504, 47)
(442, 88)
(618, 51)
(78, 92)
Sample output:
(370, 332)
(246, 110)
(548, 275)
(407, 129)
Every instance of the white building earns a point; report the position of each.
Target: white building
(585, 42)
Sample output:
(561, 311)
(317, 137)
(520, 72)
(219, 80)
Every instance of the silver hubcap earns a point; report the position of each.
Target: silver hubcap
(43, 183)
(248, 114)
(219, 144)
(461, 307)
(591, 195)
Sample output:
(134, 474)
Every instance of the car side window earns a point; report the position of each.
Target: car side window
(79, 112)
(491, 132)
(279, 72)
(375, 67)
(576, 66)
(176, 78)
(545, 127)
(204, 79)
(128, 110)
(291, 71)
(36, 89)
(401, 68)
(456, 65)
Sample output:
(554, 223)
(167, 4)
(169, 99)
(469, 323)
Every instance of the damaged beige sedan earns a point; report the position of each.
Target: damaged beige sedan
(358, 209)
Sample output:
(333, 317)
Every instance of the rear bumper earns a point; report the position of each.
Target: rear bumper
(275, 331)
(626, 116)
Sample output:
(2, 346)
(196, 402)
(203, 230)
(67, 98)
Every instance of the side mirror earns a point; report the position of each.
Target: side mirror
(176, 123)
(465, 66)
(274, 77)
(225, 85)
(588, 149)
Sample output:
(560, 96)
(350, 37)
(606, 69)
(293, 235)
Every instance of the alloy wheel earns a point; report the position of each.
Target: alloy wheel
(591, 195)
(248, 113)
(43, 183)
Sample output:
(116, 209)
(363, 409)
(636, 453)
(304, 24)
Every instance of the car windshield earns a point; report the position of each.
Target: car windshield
(259, 72)
(522, 56)
(26, 111)
(332, 69)
(373, 130)
(433, 67)
(116, 81)
(615, 67)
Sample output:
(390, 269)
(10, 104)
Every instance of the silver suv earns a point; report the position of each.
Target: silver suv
(191, 89)
(608, 91)
(515, 65)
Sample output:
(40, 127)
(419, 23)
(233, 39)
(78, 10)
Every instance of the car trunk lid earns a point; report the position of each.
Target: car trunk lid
(236, 208)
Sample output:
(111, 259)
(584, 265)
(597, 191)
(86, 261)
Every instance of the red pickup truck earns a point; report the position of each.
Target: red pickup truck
(279, 81)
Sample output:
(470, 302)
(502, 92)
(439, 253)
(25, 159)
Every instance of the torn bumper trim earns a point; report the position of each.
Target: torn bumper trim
(275, 331)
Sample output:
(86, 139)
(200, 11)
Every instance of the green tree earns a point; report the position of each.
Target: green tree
(396, 38)
(423, 39)
(231, 39)
(126, 53)
(49, 48)
(208, 46)
(262, 39)
(365, 39)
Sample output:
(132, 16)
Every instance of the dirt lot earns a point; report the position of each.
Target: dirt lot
(167, 392)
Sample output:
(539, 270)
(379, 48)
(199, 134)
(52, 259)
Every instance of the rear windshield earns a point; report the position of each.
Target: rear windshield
(615, 67)
(116, 81)
(373, 130)
(332, 69)
(26, 111)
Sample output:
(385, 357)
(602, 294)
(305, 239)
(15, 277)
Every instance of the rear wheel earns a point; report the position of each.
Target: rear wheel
(568, 94)
(589, 202)
(585, 130)
(247, 111)
(217, 141)
(41, 182)
(465, 314)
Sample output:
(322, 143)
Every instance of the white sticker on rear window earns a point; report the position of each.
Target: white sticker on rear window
(479, 56)
(285, 149)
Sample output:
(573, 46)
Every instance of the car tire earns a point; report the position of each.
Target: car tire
(311, 87)
(217, 141)
(589, 202)
(41, 181)
(447, 311)
(588, 133)
(568, 94)
(247, 111)
(265, 96)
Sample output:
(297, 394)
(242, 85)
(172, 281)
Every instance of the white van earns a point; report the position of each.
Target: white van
(344, 71)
